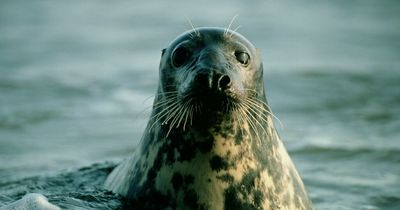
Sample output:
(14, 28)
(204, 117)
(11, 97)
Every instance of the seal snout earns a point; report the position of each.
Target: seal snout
(211, 81)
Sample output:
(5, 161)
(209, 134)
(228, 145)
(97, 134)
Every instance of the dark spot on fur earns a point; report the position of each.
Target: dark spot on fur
(147, 202)
(243, 190)
(191, 199)
(239, 137)
(206, 145)
(231, 200)
(224, 129)
(228, 153)
(258, 197)
(189, 179)
(248, 181)
(226, 178)
(217, 163)
(177, 181)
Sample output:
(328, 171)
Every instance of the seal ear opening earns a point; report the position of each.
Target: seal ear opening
(163, 51)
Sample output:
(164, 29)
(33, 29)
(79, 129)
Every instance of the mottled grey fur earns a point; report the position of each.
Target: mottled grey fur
(210, 142)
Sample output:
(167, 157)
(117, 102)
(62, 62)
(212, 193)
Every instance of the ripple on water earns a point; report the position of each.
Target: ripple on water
(387, 202)
(75, 189)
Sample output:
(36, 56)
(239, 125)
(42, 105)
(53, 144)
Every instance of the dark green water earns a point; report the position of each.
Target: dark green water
(76, 78)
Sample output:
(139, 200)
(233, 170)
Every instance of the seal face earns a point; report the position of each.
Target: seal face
(210, 142)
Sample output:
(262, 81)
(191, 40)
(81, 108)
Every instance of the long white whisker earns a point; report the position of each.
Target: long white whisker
(164, 112)
(251, 110)
(230, 24)
(263, 115)
(236, 113)
(156, 104)
(237, 28)
(187, 113)
(196, 32)
(166, 109)
(257, 101)
(172, 114)
(251, 123)
(176, 115)
(183, 113)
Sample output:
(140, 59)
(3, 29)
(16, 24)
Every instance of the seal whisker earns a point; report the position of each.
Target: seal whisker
(165, 100)
(258, 101)
(254, 122)
(196, 32)
(255, 98)
(154, 105)
(236, 115)
(182, 113)
(252, 110)
(187, 113)
(175, 116)
(172, 113)
(261, 114)
(230, 24)
(161, 112)
(167, 92)
(164, 112)
(164, 103)
(249, 121)
(191, 24)
(235, 30)
(260, 104)
(178, 114)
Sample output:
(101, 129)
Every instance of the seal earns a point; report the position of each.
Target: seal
(210, 142)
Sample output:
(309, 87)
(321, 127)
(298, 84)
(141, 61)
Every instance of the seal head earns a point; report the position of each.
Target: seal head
(210, 142)
(210, 69)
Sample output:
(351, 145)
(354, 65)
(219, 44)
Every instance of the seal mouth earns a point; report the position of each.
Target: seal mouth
(196, 108)
(210, 101)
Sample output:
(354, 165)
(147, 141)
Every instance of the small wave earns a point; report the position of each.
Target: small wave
(390, 202)
(19, 120)
(340, 152)
(75, 189)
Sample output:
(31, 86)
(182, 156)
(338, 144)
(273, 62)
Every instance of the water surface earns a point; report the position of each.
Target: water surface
(77, 79)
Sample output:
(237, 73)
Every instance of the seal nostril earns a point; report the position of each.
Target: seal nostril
(202, 80)
(224, 82)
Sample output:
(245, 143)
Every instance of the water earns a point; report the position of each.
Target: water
(76, 78)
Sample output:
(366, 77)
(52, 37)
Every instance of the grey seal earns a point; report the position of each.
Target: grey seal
(210, 142)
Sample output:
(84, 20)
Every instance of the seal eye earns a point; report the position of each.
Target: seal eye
(242, 57)
(180, 56)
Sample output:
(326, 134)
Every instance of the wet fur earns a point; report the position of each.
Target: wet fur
(192, 157)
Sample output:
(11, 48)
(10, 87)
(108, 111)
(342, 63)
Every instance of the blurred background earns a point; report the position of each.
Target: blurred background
(77, 79)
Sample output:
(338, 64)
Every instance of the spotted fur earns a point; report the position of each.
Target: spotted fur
(226, 157)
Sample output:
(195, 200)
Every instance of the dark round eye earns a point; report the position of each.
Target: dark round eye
(180, 56)
(242, 57)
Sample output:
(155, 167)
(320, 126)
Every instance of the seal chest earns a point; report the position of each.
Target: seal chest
(210, 142)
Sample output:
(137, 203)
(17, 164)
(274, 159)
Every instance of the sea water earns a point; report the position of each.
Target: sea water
(77, 80)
